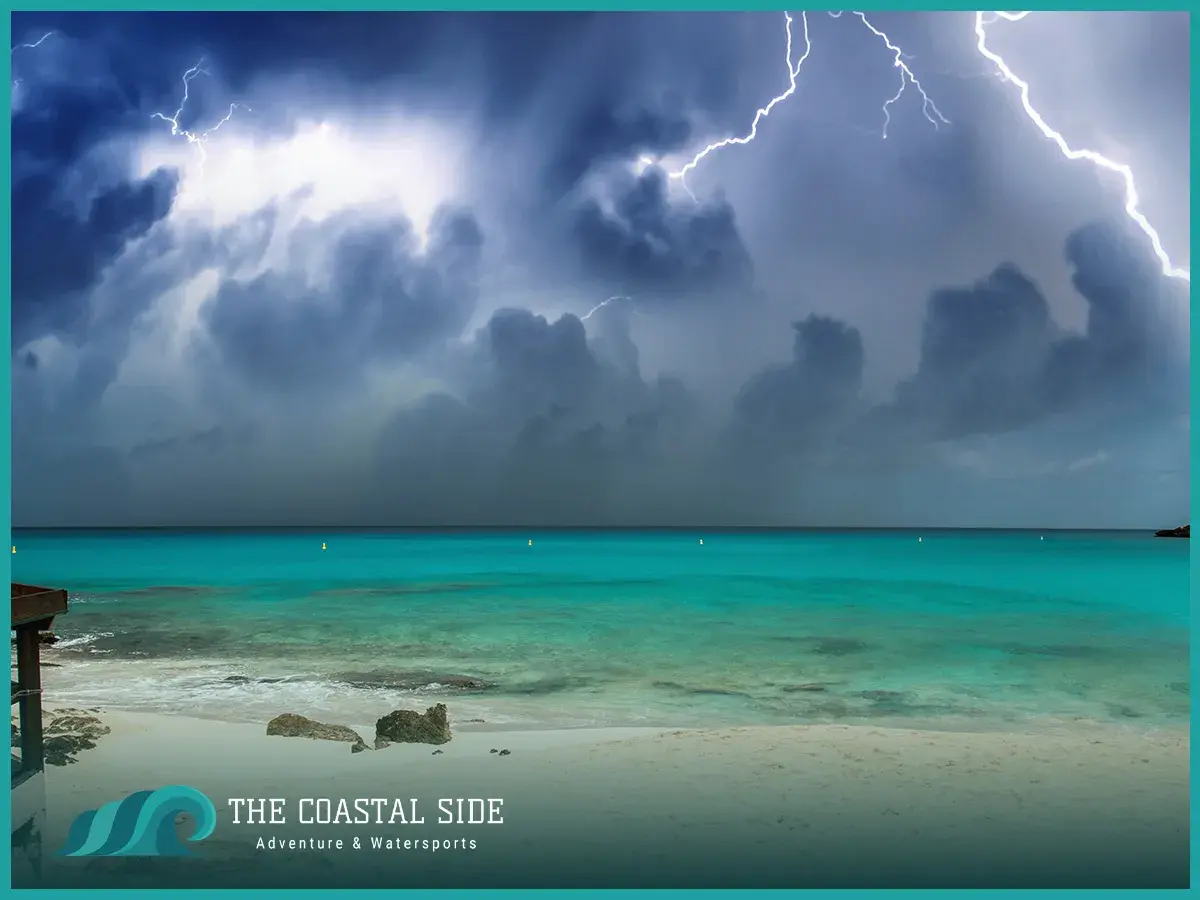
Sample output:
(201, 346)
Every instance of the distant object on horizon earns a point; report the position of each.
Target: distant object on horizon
(1183, 531)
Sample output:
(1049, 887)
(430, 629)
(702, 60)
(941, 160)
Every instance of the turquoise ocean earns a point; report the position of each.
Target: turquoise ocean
(526, 629)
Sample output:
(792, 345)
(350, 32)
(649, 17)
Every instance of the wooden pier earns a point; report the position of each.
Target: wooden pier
(33, 612)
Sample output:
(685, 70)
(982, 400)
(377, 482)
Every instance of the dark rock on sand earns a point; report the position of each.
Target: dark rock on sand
(1183, 531)
(68, 732)
(403, 726)
(292, 725)
(505, 753)
(814, 687)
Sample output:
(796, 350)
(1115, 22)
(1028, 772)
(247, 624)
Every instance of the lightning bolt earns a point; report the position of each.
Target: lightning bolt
(33, 46)
(1132, 200)
(196, 138)
(935, 117)
(599, 306)
(793, 74)
(928, 107)
(907, 79)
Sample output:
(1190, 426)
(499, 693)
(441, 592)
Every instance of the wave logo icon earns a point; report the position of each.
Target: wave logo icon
(143, 824)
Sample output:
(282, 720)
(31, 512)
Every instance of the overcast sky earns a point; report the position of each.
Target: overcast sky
(367, 297)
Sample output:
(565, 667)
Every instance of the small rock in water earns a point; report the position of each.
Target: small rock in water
(839, 646)
(881, 696)
(505, 753)
(493, 750)
(436, 752)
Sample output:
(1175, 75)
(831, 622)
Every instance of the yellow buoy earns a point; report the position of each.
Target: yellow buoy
(701, 542)
(531, 543)
(322, 546)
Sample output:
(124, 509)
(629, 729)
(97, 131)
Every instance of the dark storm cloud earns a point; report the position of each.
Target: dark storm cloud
(982, 349)
(62, 240)
(602, 131)
(629, 236)
(653, 249)
(547, 419)
(790, 407)
(384, 298)
(560, 429)
(552, 429)
(58, 253)
(1126, 349)
(993, 360)
(498, 63)
(609, 108)
(360, 46)
(56, 124)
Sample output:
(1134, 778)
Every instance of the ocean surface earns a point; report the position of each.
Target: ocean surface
(969, 629)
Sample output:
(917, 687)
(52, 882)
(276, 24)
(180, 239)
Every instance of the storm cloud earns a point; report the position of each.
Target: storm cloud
(460, 286)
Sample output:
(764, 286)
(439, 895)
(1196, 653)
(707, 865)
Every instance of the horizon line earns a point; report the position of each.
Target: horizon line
(709, 529)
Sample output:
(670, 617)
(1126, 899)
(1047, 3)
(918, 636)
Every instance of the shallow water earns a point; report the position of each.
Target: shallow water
(622, 628)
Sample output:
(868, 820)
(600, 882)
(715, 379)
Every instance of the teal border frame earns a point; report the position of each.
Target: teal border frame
(524, 5)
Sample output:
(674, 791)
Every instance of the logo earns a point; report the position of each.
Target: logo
(143, 824)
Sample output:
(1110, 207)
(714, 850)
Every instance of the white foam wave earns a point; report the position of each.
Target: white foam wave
(82, 640)
(215, 690)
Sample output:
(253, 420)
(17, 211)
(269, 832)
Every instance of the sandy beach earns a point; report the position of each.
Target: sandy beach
(1075, 804)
